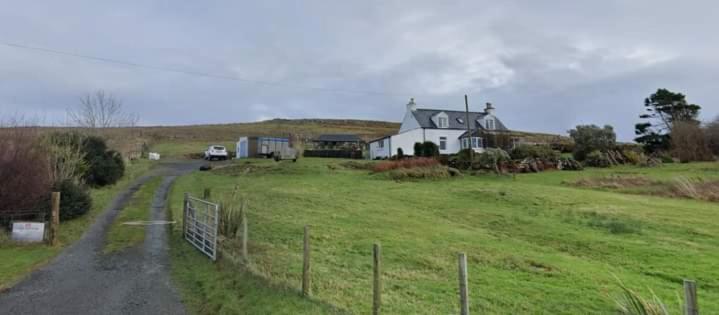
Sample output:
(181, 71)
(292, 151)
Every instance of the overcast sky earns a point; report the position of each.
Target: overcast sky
(546, 65)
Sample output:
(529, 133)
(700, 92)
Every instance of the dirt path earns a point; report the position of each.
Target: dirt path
(82, 280)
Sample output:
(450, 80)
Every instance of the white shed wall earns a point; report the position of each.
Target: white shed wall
(377, 152)
(406, 141)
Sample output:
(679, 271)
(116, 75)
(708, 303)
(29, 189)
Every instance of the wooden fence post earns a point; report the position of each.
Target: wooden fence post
(377, 281)
(55, 217)
(463, 289)
(691, 306)
(306, 275)
(245, 256)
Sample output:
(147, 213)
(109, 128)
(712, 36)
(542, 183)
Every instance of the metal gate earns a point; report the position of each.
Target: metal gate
(200, 223)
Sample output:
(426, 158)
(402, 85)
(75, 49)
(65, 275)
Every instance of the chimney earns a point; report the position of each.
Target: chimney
(411, 106)
(489, 110)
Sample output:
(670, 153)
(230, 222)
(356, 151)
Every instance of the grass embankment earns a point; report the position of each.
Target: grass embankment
(120, 235)
(223, 288)
(20, 259)
(535, 244)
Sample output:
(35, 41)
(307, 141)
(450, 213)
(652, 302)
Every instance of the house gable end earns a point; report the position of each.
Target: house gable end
(409, 122)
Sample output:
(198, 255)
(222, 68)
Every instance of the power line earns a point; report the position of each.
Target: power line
(128, 64)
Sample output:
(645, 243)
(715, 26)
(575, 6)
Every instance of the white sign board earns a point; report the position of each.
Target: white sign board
(154, 156)
(28, 231)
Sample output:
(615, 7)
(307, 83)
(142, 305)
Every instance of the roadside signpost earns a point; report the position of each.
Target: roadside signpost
(28, 231)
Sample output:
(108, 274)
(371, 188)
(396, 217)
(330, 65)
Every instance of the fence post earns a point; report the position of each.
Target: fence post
(244, 237)
(691, 306)
(463, 289)
(55, 217)
(207, 194)
(184, 213)
(377, 281)
(306, 271)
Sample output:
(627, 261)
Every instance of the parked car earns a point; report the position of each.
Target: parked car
(216, 152)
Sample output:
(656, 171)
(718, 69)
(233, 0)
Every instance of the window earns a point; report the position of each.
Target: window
(477, 142)
(443, 143)
(489, 123)
(443, 122)
(380, 144)
(460, 120)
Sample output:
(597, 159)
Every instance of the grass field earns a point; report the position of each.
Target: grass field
(535, 243)
(121, 236)
(19, 259)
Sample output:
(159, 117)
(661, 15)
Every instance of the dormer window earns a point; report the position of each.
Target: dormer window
(443, 122)
(489, 124)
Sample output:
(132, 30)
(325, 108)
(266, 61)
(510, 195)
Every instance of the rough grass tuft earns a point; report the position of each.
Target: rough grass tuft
(356, 165)
(231, 213)
(695, 189)
(405, 164)
(632, 303)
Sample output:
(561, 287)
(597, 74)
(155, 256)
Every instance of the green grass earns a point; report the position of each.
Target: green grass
(534, 243)
(19, 259)
(222, 288)
(121, 236)
(181, 149)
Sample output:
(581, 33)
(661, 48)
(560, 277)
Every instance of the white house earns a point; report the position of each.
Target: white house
(446, 128)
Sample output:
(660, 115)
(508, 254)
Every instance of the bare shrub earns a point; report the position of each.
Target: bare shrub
(66, 157)
(712, 136)
(101, 110)
(688, 142)
(24, 170)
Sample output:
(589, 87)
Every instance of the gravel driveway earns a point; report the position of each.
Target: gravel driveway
(82, 280)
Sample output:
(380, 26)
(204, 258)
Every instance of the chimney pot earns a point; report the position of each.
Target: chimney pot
(489, 110)
(411, 106)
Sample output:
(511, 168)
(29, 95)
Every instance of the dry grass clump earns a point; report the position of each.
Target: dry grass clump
(679, 187)
(415, 173)
(356, 165)
(405, 164)
(232, 209)
(632, 303)
(695, 189)
(613, 182)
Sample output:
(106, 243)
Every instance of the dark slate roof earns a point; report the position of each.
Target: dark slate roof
(339, 138)
(424, 117)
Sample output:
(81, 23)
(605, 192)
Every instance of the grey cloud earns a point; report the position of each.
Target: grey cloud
(546, 65)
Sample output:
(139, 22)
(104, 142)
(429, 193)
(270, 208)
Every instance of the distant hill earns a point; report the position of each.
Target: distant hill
(131, 139)
(301, 128)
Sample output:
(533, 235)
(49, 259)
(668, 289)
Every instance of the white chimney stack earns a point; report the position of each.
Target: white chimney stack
(489, 110)
(411, 106)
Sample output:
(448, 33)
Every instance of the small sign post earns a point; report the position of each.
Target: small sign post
(28, 231)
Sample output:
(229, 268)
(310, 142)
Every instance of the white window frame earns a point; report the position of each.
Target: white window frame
(490, 124)
(465, 143)
(442, 143)
(477, 142)
(443, 122)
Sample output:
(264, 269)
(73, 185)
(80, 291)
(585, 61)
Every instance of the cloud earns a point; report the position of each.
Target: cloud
(546, 66)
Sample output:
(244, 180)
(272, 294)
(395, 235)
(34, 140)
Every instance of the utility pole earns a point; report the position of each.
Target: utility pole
(469, 129)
